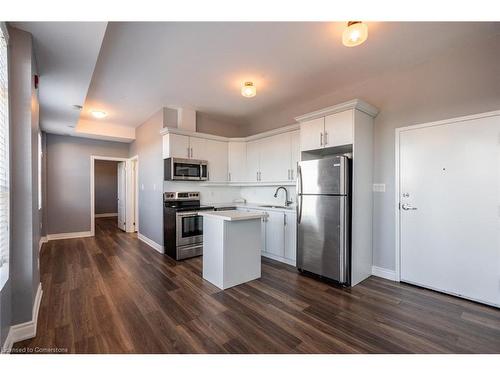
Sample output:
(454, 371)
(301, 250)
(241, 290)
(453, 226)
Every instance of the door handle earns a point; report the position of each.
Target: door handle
(408, 207)
(299, 194)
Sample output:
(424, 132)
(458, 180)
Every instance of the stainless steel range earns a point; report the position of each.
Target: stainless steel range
(182, 226)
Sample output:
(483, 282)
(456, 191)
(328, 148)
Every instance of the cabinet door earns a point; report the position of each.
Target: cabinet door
(294, 153)
(290, 236)
(275, 158)
(262, 230)
(339, 129)
(253, 161)
(215, 152)
(275, 233)
(198, 148)
(175, 146)
(237, 159)
(311, 134)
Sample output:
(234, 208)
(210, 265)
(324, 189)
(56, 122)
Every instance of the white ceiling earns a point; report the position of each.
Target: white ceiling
(66, 54)
(144, 66)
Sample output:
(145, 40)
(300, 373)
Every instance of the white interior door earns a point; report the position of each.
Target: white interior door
(122, 180)
(450, 192)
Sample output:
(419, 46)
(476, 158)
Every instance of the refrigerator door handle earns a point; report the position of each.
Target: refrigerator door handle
(299, 194)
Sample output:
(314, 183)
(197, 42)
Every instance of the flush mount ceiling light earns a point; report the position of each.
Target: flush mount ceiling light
(248, 90)
(354, 34)
(98, 114)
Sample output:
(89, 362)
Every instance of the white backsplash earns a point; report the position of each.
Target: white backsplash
(265, 194)
(227, 194)
(208, 194)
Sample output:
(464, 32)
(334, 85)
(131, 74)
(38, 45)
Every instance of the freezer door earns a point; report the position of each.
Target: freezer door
(322, 241)
(323, 176)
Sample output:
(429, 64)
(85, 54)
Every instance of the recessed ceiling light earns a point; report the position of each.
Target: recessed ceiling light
(99, 114)
(248, 90)
(354, 34)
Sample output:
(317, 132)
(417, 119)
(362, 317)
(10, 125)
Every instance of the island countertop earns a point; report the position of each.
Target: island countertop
(232, 215)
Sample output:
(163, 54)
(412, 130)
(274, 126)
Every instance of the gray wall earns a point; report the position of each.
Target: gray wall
(106, 186)
(68, 180)
(18, 295)
(460, 81)
(148, 146)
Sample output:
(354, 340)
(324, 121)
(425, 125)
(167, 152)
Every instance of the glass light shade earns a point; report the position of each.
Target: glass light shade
(248, 90)
(354, 34)
(99, 114)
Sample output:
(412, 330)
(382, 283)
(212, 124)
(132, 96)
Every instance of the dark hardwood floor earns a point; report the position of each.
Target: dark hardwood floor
(114, 294)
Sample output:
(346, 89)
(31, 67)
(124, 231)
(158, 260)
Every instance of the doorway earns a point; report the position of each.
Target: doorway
(448, 206)
(118, 177)
(106, 191)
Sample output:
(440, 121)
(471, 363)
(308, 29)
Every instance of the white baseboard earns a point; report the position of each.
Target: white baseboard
(26, 330)
(279, 259)
(65, 236)
(384, 273)
(150, 242)
(115, 214)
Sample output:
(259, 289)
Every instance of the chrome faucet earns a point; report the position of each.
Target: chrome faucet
(287, 202)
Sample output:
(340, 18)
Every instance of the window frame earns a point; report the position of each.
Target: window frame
(5, 253)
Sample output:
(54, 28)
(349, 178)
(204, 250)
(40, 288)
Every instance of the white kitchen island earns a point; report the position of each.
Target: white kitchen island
(231, 247)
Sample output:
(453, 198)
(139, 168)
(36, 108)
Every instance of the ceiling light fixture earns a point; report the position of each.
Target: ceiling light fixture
(354, 34)
(248, 90)
(99, 114)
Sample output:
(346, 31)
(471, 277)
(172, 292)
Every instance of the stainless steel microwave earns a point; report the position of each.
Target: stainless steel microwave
(185, 169)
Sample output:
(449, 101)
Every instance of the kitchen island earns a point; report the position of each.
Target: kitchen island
(231, 247)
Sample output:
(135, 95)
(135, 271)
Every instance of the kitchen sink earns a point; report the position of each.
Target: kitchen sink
(274, 206)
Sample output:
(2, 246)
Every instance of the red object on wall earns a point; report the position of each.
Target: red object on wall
(36, 81)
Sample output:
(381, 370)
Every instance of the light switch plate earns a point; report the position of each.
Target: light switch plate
(379, 188)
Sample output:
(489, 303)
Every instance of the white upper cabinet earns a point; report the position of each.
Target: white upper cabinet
(311, 134)
(275, 158)
(237, 160)
(339, 129)
(263, 159)
(197, 148)
(253, 161)
(294, 154)
(175, 146)
(216, 154)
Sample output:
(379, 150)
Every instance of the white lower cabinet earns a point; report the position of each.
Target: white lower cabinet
(291, 236)
(278, 235)
(275, 238)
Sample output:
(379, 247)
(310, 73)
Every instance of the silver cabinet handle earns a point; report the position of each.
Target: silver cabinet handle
(257, 174)
(408, 207)
(191, 152)
(229, 176)
(188, 152)
(292, 173)
(289, 174)
(326, 138)
(321, 139)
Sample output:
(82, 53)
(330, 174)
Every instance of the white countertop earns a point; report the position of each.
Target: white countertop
(232, 215)
(258, 206)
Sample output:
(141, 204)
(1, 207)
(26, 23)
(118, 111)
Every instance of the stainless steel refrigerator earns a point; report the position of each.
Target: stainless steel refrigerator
(323, 218)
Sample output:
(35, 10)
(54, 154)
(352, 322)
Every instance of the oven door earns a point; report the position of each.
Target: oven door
(189, 228)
